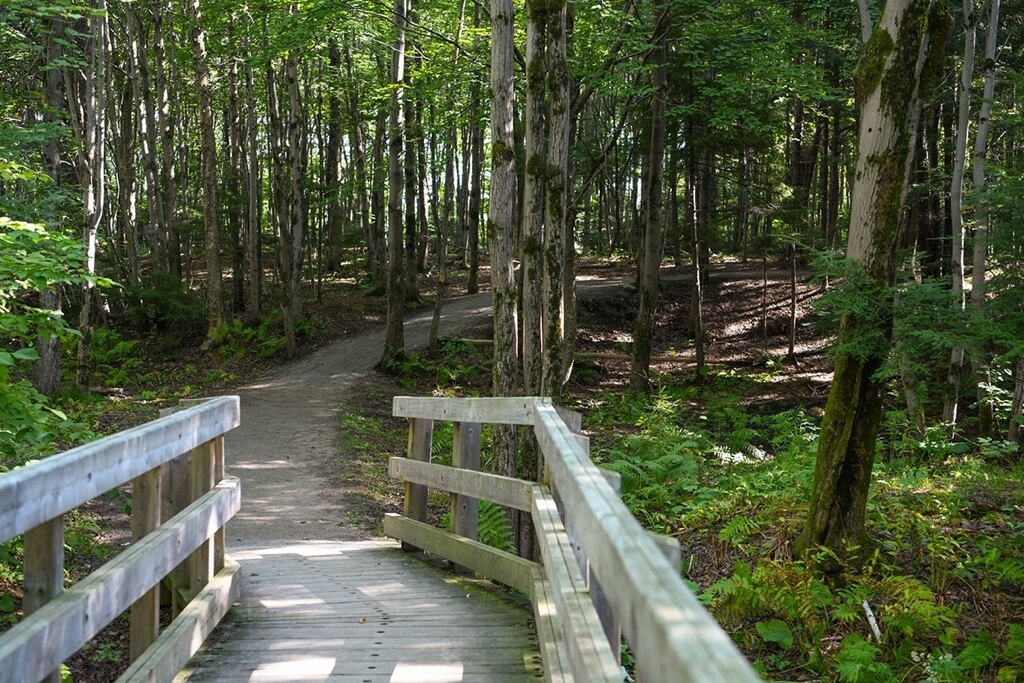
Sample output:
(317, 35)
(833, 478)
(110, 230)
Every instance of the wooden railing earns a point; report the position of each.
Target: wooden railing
(180, 503)
(601, 573)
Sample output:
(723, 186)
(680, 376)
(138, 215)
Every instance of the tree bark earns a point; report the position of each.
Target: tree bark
(211, 227)
(394, 336)
(986, 421)
(951, 408)
(501, 224)
(891, 80)
(650, 259)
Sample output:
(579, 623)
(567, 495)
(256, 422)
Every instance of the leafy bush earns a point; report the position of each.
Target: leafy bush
(160, 303)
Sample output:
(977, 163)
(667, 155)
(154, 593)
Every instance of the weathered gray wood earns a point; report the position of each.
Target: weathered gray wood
(39, 643)
(421, 433)
(589, 654)
(35, 493)
(673, 637)
(44, 571)
(219, 540)
(201, 480)
(486, 561)
(669, 547)
(549, 633)
(506, 491)
(184, 636)
(465, 456)
(145, 612)
(364, 611)
(176, 494)
(514, 410)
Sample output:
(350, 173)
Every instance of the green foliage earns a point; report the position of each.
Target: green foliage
(32, 260)
(945, 518)
(857, 662)
(457, 368)
(160, 303)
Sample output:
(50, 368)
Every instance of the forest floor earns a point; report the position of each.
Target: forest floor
(346, 489)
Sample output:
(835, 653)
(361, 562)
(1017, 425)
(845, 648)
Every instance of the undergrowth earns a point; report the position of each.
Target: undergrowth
(945, 580)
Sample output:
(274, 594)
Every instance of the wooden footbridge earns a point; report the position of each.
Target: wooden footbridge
(363, 610)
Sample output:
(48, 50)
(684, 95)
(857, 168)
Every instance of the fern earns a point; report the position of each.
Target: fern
(494, 528)
(856, 662)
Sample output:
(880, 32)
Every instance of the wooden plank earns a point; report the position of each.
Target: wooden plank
(486, 561)
(35, 493)
(590, 656)
(549, 634)
(506, 491)
(672, 635)
(201, 481)
(183, 638)
(39, 643)
(145, 613)
(514, 410)
(465, 457)
(421, 433)
(44, 571)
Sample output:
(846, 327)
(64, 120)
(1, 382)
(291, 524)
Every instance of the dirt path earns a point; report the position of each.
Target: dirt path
(285, 448)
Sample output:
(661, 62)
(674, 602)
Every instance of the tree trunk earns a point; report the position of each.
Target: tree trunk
(533, 200)
(986, 421)
(254, 213)
(951, 409)
(211, 227)
(394, 339)
(332, 163)
(501, 223)
(557, 194)
(650, 259)
(88, 111)
(891, 80)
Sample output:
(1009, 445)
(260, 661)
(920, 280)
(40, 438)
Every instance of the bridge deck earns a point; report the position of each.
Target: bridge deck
(364, 611)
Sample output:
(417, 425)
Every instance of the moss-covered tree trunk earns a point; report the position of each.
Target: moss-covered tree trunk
(891, 81)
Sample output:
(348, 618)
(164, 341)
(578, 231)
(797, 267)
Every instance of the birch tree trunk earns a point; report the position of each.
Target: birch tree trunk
(891, 80)
(981, 218)
(951, 407)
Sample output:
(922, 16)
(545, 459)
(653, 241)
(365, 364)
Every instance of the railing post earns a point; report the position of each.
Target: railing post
(465, 455)
(219, 546)
(176, 491)
(44, 570)
(201, 561)
(145, 613)
(421, 434)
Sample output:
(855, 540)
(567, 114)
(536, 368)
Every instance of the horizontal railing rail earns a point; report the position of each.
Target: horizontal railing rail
(181, 501)
(599, 568)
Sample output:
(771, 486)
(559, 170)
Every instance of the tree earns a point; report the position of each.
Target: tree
(208, 134)
(649, 257)
(893, 77)
(501, 224)
(394, 339)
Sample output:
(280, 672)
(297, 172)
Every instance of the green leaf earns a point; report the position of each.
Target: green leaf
(27, 353)
(776, 631)
(6, 358)
(979, 652)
